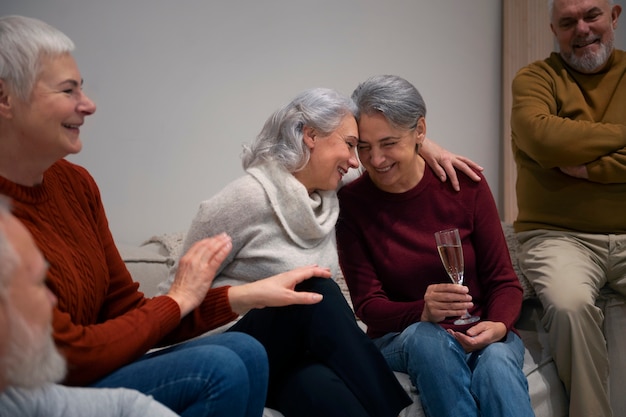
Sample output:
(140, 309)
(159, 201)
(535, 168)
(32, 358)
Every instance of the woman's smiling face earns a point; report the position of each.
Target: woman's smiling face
(49, 122)
(332, 155)
(388, 153)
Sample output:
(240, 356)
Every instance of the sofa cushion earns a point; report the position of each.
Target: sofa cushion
(513, 244)
(150, 263)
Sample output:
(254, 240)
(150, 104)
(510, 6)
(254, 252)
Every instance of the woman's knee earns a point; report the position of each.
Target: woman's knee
(230, 359)
(424, 342)
(422, 334)
(245, 347)
(505, 356)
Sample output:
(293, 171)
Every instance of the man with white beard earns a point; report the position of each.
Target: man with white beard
(568, 131)
(29, 360)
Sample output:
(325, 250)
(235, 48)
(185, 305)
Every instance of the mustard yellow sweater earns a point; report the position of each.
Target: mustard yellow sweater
(563, 118)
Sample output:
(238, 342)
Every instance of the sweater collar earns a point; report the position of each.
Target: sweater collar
(22, 193)
(307, 219)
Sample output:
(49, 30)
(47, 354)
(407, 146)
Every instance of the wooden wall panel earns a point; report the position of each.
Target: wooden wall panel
(526, 37)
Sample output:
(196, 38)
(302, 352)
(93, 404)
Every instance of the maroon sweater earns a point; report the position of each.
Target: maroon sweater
(388, 254)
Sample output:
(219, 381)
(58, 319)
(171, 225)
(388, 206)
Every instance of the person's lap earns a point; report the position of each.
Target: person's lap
(568, 270)
(212, 375)
(324, 335)
(440, 369)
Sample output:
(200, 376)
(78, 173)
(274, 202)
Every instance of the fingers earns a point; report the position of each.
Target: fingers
(480, 335)
(465, 166)
(447, 288)
(579, 171)
(448, 165)
(218, 250)
(298, 275)
(306, 297)
(310, 271)
(197, 269)
(212, 250)
(470, 164)
(277, 290)
(445, 300)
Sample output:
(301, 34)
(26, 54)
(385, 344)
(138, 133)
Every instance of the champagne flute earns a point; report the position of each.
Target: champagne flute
(451, 254)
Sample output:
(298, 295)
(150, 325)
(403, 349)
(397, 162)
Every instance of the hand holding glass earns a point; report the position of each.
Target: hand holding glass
(451, 254)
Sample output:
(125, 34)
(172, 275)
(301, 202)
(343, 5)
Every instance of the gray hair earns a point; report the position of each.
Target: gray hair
(281, 139)
(551, 7)
(9, 259)
(396, 98)
(23, 42)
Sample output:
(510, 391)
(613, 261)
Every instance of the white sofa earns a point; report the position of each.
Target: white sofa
(149, 265)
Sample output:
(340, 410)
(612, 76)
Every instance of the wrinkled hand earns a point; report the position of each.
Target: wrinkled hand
(579, 171)
(445, 300)
(276, 291)
(443, 162)
(196, 271)
(481, 335)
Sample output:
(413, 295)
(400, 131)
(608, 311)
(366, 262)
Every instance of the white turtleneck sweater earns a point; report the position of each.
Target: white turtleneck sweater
(275, 226)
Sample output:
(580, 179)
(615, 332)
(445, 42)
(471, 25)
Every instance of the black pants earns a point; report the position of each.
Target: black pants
(321, 362)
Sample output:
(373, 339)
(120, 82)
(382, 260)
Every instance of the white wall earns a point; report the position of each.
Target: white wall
(180, 86)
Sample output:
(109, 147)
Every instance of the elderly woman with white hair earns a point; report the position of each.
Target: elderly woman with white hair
(102, 324)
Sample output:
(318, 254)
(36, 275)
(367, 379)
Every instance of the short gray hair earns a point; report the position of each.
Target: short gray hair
(281, 139)
(551, 7)
(23, 42)
(396, 98)
(9, 259)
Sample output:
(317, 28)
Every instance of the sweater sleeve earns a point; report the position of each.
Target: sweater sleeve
(103, 321)
(543, 126)
(249, 223)
(609, 169)
(59, 401)
(502, 290)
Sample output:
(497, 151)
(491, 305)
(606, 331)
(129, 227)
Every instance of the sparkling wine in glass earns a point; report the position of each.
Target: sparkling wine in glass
(451, 254)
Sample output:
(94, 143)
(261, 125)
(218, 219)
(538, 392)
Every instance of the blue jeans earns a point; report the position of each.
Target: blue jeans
(453, 383)
(219, 375)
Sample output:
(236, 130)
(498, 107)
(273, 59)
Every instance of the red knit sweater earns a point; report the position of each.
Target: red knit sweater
(102, 322)
(388, 254)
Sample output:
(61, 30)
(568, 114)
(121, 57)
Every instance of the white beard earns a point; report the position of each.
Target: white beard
(591, 62)
(32, 358)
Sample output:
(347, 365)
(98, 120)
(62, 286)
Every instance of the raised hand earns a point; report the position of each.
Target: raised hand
(276, 291)
(196, 271)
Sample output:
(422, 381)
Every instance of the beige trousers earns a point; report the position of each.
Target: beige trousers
(567, 271)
